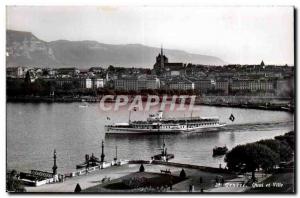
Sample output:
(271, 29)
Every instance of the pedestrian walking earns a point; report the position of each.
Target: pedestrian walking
(222, 181)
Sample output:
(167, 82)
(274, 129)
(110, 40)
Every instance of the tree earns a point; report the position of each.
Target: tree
(27, 79)
(111, 68)
(287, 138)
(77, 188)
(51, 86)
(13, 184)
(45, 72)
(110, 92)
(284, 151)
(38, 87)
(14, 87)
(27, 83)
(132, 92)
(252, 156)
(182, 174)
(142, 169)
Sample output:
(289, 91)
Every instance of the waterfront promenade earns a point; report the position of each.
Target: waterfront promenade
(92, 182)
(86, 181)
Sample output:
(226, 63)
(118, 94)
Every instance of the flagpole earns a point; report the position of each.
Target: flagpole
(129, 117)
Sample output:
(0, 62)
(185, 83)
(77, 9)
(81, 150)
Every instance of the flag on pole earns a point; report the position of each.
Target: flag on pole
(232, 118)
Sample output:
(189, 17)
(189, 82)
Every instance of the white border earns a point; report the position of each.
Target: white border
(3, 3)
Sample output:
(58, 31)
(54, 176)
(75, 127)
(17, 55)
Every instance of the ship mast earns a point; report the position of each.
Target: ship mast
(129, 117)
(186, 122)
(164, 147)
(116, 154)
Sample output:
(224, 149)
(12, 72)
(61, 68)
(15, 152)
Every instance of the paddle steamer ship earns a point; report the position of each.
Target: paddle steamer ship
(157, 124)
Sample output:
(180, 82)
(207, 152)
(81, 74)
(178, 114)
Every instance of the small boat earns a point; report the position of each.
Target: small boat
(164, 156)
(89, 162)
(84, 104)
(220, 150)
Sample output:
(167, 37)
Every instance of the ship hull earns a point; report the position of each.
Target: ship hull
(119, 130)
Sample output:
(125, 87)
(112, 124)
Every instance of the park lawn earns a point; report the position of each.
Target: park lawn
(145, 179)
(287, 179)
(140, 180)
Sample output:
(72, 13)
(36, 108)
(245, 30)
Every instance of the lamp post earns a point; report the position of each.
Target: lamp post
(102, 153)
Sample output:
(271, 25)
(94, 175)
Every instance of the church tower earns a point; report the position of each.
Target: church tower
(162, 60)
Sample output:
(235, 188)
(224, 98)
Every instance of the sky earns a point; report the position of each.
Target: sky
(237, 35)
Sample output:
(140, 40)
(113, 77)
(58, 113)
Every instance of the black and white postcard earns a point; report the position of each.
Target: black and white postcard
(150, 99)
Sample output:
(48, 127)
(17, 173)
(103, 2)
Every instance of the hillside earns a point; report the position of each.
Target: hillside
(23, 48)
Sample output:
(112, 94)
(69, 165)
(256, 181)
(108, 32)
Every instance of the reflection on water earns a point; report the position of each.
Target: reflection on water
(35, 130)
(232, 138)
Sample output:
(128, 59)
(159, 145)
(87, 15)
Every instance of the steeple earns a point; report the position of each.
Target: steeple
(162, 60)
(54, 168)
(102, 153)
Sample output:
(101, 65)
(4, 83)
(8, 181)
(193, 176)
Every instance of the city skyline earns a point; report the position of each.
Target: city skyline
(267, 35)
(149, 99)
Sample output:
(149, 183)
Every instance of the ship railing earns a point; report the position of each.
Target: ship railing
(190, 118)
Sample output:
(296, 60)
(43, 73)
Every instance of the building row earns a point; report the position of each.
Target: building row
(136, 83)
(205, 85)
(66, 72)
(83, 83)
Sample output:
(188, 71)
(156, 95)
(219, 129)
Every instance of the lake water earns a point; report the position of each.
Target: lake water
(35, 130)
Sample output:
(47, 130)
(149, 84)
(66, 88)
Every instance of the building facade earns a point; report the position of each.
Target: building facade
(72, 71)
(82, 83)
(181, 85)
(137, 83)
(16, 72)
(252, 85)
(222, 85)
(98, 83)
(203, 85)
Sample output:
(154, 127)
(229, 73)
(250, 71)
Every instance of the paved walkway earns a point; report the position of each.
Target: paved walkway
(85, 181)
(94, 178)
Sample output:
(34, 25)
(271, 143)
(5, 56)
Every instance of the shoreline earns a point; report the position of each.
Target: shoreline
(48, 100)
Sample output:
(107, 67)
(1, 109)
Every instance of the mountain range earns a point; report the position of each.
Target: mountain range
(25, 49)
